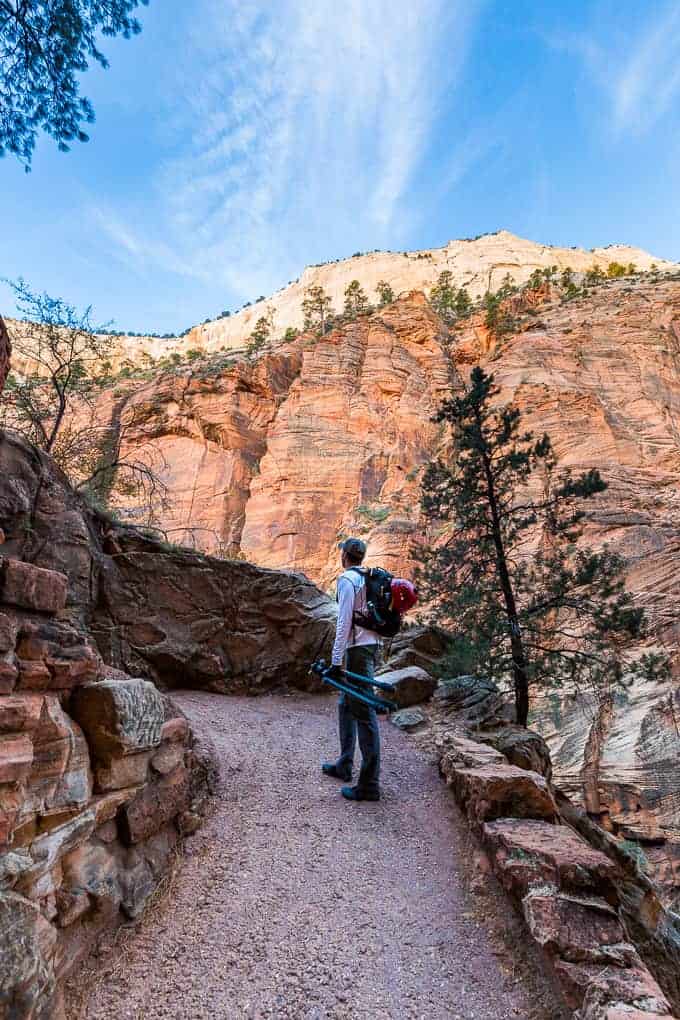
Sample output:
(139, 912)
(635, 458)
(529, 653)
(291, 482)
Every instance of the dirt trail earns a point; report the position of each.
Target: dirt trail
(293, 903)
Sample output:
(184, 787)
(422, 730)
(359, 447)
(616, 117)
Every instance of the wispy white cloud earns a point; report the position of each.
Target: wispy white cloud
(133, 247)
(296, 122)
(649, 82)
(639, 77)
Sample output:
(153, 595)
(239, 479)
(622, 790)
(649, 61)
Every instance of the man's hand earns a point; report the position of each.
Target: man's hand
(335, 673)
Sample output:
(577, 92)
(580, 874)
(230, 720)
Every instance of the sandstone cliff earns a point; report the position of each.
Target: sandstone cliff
(276, 459)
(479, 264)
(273, 460)
(100, 775)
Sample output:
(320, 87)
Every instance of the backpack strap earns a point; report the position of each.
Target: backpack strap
(362, 573)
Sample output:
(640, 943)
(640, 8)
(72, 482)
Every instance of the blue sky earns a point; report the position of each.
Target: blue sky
(238, 141)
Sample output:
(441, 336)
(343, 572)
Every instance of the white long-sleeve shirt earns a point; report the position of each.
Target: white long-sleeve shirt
(351, 597)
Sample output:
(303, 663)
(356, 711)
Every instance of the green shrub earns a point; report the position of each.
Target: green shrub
(375, 514)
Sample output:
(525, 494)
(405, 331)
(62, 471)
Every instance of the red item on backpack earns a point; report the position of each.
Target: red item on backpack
(404, 595)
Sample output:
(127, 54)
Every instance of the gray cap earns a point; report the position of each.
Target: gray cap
(354, 547)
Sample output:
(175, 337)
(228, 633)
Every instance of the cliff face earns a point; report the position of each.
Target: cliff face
(601, 377)
(479, 264)
(276, 460)
(100, 774)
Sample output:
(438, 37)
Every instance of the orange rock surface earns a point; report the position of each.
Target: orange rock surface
(276, 460)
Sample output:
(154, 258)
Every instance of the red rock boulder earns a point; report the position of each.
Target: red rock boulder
(31, 587)
(119, 717)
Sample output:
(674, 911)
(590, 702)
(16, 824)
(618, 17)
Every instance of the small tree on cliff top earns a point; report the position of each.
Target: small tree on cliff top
(385, 293)
(448, 301)
(316, 308)
(356, 301)
(261, 334)
(553, 615)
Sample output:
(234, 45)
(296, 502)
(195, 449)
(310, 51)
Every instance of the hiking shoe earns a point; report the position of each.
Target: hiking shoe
(330, 769)
(354, 793)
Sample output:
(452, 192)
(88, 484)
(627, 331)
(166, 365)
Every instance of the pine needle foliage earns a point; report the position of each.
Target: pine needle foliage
(385, 294)
(448, 301)
(317, 310)
(44, 46)
(260, 335)
(356, 301)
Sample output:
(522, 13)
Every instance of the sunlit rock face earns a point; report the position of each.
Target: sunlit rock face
(275, 461)
(601, 377)
(100, 774)
(479, 264)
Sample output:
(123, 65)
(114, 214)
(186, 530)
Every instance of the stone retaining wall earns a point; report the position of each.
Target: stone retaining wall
(569, 891)
(99, 777)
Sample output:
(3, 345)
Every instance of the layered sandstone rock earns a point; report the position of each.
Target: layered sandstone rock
(598, 921)
(75, 857)
(600, 376)
(275, 461)
(99, 774)
(189, 621)
(479, 264)
(155, 610)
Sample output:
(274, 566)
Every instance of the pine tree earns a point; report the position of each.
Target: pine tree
(44, 47)
(385, 294)
(61, 349)
(51, 402)
(448, 302)
(443, 297)
(261, 334)
(356, 302)
(316, 309)
(524, 602)
(463, 304)
(498, 319)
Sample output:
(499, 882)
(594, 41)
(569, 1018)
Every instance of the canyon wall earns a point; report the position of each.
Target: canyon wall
(478, 264)
(601, 929)
(276, 457)
(601, 377)
(275, 460)
(99, 775)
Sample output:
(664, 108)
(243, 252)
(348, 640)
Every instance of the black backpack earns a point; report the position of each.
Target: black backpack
(378, 617)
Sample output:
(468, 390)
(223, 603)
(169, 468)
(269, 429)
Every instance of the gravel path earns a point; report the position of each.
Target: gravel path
(293, 903)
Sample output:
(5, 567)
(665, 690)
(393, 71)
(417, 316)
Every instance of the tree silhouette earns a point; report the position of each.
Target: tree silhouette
(44, 46)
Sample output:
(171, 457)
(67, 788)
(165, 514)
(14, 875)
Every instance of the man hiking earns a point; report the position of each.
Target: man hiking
(360, 646)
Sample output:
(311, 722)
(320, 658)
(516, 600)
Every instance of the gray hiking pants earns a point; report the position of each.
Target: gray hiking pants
(356, 719)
